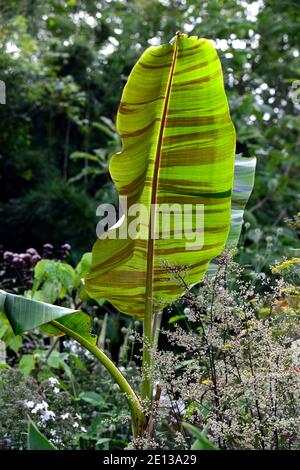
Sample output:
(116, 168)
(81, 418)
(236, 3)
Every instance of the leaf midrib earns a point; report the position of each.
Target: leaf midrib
(151, 232)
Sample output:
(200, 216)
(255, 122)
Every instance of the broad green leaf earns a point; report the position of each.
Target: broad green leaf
(37, 440)
(54, 360)
(201, 443)
(176, 318)
(26, 314)
(178, 148)
(52, 281)
(12, 341)
(78, 362)
(27, 364)
(84, 265)
(82, 268)
(92, 398)
(244, 172)
(58, 361)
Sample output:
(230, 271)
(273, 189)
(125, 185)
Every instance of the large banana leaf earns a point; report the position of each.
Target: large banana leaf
(178, 148)
(25, 314)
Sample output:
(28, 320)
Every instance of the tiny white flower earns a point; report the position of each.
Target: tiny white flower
(37, 408)
(43, 407)
(56, 390)
(29, 404)
(52, 432)
(78, 416)
(74, 348)
(83, 429)
(75, 425)
(65, 416)
(53, 380)
(46, 415)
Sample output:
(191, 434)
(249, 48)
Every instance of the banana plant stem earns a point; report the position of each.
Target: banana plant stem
(138, 417)
(151, 335)
(146, 391)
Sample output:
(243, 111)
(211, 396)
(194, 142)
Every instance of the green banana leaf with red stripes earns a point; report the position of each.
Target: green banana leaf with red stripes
(178, 150)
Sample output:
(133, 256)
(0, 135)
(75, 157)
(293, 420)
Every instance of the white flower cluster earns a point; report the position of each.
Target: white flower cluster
(44, 414)
(40, 409)
(235, 369)
(53, 381)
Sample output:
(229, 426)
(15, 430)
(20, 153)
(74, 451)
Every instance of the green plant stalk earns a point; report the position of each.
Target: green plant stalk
(150, 340)
(147, 387)
(137, 414)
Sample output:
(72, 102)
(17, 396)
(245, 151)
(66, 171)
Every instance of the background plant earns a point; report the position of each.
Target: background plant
(232, 368)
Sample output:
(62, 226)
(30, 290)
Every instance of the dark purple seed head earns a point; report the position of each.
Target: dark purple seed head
(8, 256)
(66, 247)
(34, 260)
(26, 257)
(18, 262)
(32, 251)
(48, 247)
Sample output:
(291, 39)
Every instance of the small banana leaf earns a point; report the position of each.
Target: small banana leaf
(178, 148)
(244, 173)
(25, 314)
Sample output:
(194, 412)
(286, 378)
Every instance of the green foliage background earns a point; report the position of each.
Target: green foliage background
(65, 63)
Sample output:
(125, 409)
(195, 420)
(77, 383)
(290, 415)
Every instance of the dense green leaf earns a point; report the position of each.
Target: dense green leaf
(27, 364)
(26, 314)
(92, 398)
(12, 341)
(37, 440)
(201, 443)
